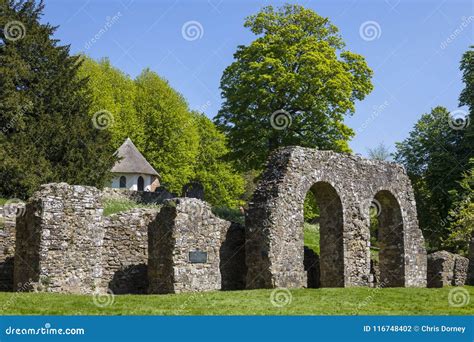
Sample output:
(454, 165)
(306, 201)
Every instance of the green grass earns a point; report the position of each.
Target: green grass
(113, 206)
(311, 240)
(3, 201)
(349, 301)
(311, 236)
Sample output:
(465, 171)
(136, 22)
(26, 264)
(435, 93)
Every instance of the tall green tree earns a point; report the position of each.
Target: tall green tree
(113, 98)
(171, 138)
(467, 97)
(435, 162)
(293, 85)
(461, 215)
(46, 134)
(222, 184)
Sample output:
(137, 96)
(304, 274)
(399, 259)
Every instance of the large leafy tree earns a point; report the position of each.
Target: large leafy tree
(297, 71)
(461, 216)
(171, 138)
(46, 133)
(435, 162)
(113, 100)
(467, 97)
(222, 184)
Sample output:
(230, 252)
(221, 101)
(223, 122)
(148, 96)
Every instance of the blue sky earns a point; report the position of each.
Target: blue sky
(414, 48)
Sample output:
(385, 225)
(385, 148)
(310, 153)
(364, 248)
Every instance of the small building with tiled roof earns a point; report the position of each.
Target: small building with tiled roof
(132, 171)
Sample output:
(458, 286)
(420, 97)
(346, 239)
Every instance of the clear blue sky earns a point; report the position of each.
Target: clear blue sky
(414, 53)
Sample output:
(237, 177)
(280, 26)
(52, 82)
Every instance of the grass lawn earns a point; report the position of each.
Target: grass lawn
(349, 301)
(113, 206)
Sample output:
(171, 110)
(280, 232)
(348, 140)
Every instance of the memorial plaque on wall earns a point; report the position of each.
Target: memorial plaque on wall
(197, 257)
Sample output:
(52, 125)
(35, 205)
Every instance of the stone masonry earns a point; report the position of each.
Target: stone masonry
(446, 269)
(184, 248)
(125, 251)
(59, 240)
(8, 215)
(345, 187)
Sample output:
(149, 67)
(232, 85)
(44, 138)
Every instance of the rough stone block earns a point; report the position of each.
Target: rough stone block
(184, 244)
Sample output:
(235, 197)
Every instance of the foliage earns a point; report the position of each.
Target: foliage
(229, 214)
(461, 216)
(182, 146)
(171, 138)
(325, 301)
(222, 184)
(434, 160)
(114, 92)
(46, 134)
(311, 208)
(114, 206)
(380, 152)
(466, 97)
(298, 65)
(311, 236)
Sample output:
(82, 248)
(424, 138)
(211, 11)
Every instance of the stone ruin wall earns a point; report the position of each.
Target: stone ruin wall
(344, 186)
(66, 244)
(184, 253)
(59, 240)
(125, 251)
(8, 215)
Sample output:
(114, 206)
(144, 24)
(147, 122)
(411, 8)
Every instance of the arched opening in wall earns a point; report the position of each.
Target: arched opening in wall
(123, 182)
(389, 239)
(140, 184)
(323, 227)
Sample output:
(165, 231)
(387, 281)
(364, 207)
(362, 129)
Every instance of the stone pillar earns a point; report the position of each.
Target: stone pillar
(59, 240)
(470, 273)
(446, 269)
(8, 215)
(184, 243)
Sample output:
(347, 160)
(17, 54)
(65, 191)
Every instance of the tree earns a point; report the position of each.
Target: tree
(461, 216)
(435, 162)
(380, 152)
(293, 85)
(222, 184)
(113, 100)
(170, 136)
(467, 98)
(46, 134)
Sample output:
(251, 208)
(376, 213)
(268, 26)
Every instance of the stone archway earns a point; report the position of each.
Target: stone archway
(331, 259)
(274, 234)
(391, 240)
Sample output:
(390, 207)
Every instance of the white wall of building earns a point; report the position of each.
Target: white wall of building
(132, 181)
